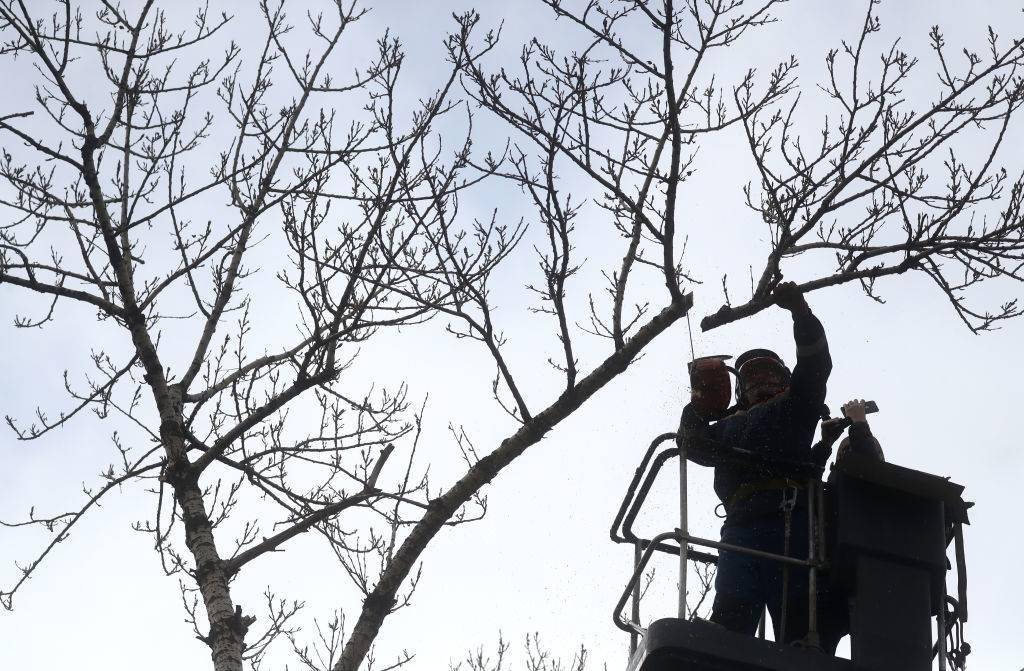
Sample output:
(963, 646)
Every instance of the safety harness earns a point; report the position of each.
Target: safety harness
(745, 490)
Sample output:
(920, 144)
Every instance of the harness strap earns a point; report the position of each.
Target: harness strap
(789, 495)
(745, 490)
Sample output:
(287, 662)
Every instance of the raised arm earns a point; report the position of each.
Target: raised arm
(813, 362)
(861, 441)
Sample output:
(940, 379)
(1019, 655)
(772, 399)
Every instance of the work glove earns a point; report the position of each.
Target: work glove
(831, 429)
(789, 297)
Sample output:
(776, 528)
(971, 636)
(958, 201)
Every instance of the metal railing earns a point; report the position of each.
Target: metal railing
(644, 548)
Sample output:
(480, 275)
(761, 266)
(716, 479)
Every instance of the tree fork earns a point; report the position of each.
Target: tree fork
(227, 626)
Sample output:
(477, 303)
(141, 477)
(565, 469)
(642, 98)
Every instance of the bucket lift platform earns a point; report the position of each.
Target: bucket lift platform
(671, 644)
(878, 531)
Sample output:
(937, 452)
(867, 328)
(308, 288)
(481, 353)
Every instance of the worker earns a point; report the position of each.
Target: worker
(775, 416)
(859, 441)
(833, 599)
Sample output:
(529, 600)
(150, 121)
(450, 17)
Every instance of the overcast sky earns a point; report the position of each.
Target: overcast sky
(541, 560)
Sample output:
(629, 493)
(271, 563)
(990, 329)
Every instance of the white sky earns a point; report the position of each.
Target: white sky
(541, 560)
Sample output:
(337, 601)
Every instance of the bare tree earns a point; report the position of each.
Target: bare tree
(104, 215)
(101, 198)
(366, 203)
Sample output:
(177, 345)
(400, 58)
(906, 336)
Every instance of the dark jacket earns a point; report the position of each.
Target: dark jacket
(859, 441)
(780, 428)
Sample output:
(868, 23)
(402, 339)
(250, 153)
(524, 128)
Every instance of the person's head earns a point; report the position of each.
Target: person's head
(761, 375)
(844, 449)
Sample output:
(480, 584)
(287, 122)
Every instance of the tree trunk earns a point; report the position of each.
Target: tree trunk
(227, 627)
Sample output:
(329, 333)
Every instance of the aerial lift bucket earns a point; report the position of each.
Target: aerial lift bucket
(878, 530)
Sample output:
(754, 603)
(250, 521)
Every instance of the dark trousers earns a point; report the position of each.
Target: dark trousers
(833, 615)
(744, 585)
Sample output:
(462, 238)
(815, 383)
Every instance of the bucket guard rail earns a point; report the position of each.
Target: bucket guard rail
(650, 466)
(664, 448)
(636, 495)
